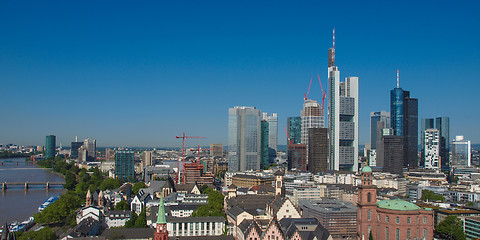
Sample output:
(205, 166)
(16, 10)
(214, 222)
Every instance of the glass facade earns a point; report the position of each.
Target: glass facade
(244, 139)
(50, 147)
(410, 130)
(376, 117)
(124, 163)
(74, 149)
(443, 125)
(461, 152)
(294, 129)
(396, 110)
(264, 125)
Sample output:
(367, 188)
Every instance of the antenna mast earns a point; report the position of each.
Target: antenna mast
(398, 79)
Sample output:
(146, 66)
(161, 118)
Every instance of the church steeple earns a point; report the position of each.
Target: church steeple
(161, 232)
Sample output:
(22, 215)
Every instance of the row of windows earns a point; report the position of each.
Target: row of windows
(397, 233)
(397, 219)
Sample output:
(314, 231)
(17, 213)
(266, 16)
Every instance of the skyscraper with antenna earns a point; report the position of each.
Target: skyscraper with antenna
(342, 117)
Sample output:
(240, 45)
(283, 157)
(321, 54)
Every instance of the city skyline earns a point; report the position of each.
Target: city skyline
(138, 75)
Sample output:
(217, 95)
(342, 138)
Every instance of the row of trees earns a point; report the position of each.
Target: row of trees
(214, 206)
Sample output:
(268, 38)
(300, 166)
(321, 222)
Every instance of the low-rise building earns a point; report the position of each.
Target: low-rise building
(195, 226)
(248, 181)
(472, 227)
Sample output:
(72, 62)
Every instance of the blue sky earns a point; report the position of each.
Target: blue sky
(139, 73)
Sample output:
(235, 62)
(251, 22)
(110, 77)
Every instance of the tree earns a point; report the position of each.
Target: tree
(122, 205)
(131, 223)
(141, 221)
(110, 183)
(370, 236)
(428, 195)
(214, 206)
(45, 233)
(70, 181)
(451, 228)
(136, 187)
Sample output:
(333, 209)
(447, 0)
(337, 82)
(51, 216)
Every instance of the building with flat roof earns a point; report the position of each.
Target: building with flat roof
(431, 149)
(461, 152)
(317, 150)
(124, 163)
(338, 217)
(294, 129)
(248, 181)
(297, 157)
(472, 227)
(216, 150)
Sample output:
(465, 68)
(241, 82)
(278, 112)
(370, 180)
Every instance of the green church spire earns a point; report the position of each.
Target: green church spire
(161, 218)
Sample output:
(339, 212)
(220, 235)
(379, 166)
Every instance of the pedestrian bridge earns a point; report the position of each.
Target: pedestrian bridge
(27, 185)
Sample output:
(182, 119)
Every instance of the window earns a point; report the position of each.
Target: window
(418, 233)
(409, 219)
(369, 229)
(387, 219)
(369, 213)
(397, 234)
(397, 220)
(408, 233)
(369, 197)
(378, 217)
(425, 220)
(425, 233)
(386, 233)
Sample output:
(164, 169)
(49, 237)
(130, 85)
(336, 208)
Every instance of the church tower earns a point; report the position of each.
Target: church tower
(88, 199)
(279, 187)
(161, 232)
(367, 205)
(101, 199)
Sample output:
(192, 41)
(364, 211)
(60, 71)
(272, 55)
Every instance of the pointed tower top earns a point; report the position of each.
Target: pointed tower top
(161, 219)
(89, 195)
(333, 38)
(398, 79)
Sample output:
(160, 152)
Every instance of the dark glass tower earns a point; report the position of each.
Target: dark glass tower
(50, 147)
(264, 126)
(396, 111)
(294, 128)
(443, 126)
(404, 121)
(74, 149)
(124, 163)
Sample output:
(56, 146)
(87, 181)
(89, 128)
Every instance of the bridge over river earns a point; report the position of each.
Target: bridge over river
(27, 185)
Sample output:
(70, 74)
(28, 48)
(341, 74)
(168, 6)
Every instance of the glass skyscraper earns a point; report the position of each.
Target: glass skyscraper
(272, 129)
(404, 122)
(244, 139)
(443, 126)
(294, 129)
(264, 125)
(425, 123)
(124, 163)
(312, 117)
(461, 152)
(375, 117)
(50, 147)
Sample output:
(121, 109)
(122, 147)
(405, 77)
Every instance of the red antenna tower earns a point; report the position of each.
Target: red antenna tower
(183, 158)
(398, 79)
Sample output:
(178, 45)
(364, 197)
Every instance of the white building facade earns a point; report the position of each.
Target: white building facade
(432, 148)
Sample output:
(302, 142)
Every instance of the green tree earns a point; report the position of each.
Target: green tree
(70, 181)
(451, 228)
(122, 205)
(214, 206)
(370, 236)
(110, 183)
(141, 221)
(136, 187)
(428, 195)
(131, 223)
(45, 233)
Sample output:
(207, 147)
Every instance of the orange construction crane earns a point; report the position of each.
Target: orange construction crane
(323, 92)
(309, 85)
(288, 137)
(183, 158)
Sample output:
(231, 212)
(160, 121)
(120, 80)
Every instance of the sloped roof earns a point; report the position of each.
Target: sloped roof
(277, 203)
(250, 201)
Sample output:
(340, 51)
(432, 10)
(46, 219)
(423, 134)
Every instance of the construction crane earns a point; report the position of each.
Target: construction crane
(183, 158)
(288, 137)
(323, 93)
(309, 85)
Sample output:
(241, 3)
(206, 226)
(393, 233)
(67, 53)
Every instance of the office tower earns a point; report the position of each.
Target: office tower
(244, 137)
(74, 149)
(297, 157)
(404, 121)
(82, 154)
(443, 126)
(382, 131)
(124, 163)
(342, 117)
(410, 130)
(312, 117)
(432, 148)
(294, 129)
(317, 150)
(50, 147)
(216, 150)
(375, 117)
(425, 123)
(272, 129)
(147, 158)
(461, 152)
(393, 154)
(264, 126)
(91, 146)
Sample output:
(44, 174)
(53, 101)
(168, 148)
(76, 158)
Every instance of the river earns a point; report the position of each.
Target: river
(16, 204)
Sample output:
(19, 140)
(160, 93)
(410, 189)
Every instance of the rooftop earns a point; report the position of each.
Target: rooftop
(397, 204)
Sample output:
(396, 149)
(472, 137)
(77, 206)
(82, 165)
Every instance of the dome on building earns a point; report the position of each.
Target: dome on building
(398, 204)
(366, 169)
